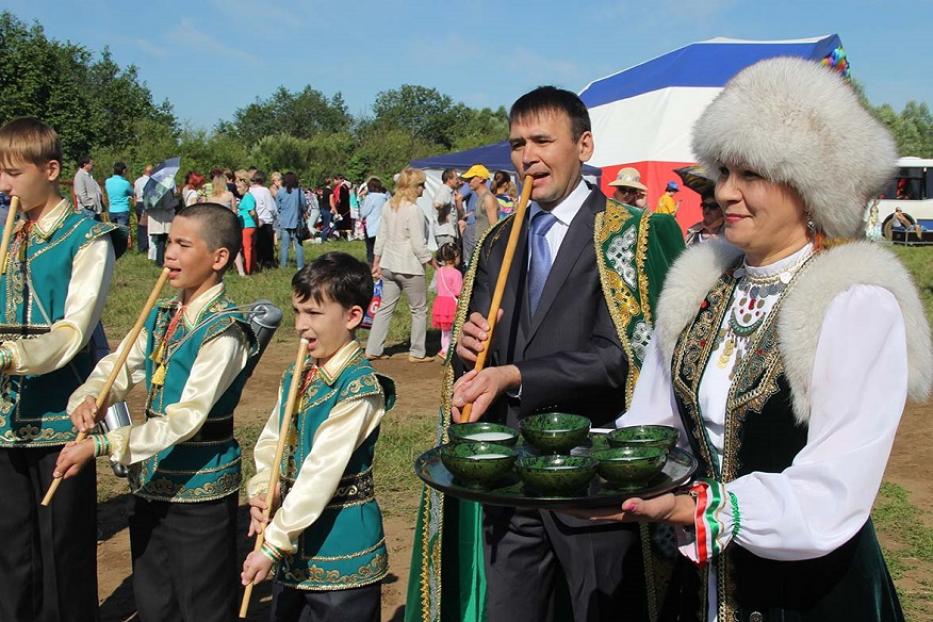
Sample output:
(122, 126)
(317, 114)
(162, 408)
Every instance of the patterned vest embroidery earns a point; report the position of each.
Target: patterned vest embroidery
(206, 466)
(33, 290)
(345, 547)
(758, 377)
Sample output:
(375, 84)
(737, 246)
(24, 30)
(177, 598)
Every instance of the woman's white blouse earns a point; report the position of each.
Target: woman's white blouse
(858, 392)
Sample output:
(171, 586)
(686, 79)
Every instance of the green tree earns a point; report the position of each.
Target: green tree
(93, 104)
(301, 114)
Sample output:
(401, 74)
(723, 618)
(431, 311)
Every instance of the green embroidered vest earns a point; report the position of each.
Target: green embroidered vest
(206, 466)
(762, 435)
(33, 290)
(345, 547)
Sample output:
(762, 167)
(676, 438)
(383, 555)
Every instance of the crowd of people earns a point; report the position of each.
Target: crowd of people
(780, 348)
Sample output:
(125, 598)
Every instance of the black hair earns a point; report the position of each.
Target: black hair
(84, 159)
(219, 227)
(336, 276)
(291, 181)
(552, 99)
(447, 252)
(258, 178)
(119, 168)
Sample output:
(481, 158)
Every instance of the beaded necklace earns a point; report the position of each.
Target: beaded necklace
(747, 316)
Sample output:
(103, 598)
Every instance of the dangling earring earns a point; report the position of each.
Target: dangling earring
(811, 226)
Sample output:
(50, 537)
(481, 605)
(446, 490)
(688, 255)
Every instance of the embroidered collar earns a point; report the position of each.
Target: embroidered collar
(195, 308)
(331, 370)
(49, 222)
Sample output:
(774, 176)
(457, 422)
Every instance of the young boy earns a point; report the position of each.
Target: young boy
(52, 291)
(326, 537)
(184, 462)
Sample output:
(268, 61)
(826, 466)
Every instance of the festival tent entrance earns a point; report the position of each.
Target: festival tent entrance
(643, 116)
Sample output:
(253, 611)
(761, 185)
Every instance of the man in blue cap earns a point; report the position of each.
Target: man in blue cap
(666, 204)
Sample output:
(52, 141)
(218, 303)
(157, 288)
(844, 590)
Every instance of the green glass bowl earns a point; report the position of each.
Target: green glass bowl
(629, 467)
(479, 465)
(555, 432)
(482, 432)
(663, 436)
(556, 475)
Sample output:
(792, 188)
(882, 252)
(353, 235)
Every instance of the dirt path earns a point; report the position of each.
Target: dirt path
(418, 389)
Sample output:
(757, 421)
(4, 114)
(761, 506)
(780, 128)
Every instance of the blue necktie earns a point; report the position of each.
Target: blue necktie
(541, 259)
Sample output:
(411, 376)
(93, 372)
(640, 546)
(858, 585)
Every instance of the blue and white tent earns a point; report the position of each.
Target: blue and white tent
(643, 116)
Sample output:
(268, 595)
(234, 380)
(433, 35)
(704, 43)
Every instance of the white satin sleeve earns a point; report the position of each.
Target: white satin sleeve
(653, 400)
(349, 424)
(217, 365)
(91, 271)
(859, 389)
(264, 452)
(133, 372)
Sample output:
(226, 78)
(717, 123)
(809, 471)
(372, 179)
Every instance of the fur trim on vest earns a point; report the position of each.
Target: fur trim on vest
(828, 274)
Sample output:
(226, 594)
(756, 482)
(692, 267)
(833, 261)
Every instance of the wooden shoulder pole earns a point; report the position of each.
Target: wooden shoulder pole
(118, 367)
(290, 403)
(501, 279)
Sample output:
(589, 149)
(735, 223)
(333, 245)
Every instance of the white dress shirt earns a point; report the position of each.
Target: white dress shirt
(564, 212)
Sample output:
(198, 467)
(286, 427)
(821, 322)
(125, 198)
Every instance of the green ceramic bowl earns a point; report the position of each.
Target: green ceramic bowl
(663, 436)
(555, 432)
(482, 432)
(556, 475)
(479, 465)
(630, 467)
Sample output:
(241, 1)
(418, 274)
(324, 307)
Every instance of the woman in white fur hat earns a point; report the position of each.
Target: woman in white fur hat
(784, 354)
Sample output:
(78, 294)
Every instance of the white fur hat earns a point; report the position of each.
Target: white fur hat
(794, 121)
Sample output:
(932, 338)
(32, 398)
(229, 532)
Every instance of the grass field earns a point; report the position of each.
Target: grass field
(906, 530)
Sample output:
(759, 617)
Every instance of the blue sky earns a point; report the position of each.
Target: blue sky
(210, 57)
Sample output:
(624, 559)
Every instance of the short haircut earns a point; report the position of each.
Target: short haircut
(119, 168)
(335, 276)
(27, 139)
(550, 99)
(374, 184)
(84, 159)
(448, 174)
(218, 225)
(258, 178)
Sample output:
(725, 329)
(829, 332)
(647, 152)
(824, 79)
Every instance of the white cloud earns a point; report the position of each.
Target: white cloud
(187, 34)
(151, 48)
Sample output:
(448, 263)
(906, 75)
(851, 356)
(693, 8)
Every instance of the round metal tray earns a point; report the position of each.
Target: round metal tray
(511, 492)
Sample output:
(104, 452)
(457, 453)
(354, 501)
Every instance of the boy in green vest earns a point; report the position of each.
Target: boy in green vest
(184, 462)
(53, 285)
(326, 539)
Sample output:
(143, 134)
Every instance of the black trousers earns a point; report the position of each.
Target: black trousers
(184, 560)
(361, 604)
(48, 555)
(524, 551)
(265, 246)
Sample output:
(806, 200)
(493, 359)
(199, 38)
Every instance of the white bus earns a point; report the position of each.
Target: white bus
(911, 190)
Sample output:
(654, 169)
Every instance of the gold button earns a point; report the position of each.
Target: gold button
(756, 617)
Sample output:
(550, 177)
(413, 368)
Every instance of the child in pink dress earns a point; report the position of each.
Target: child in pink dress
(449, 283)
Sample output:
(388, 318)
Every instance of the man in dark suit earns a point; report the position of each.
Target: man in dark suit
(555, 348)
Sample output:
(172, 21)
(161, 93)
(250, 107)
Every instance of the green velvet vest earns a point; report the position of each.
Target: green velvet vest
(345, 547)
(206, 466)
(761, 435)
(33, 290)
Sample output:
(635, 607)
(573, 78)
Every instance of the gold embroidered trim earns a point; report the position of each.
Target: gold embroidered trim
(338, 558)
(367, 574)
(641, 254)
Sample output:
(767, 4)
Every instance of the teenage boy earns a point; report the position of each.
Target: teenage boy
(326, 538)
(53, 286)
(184, 462)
